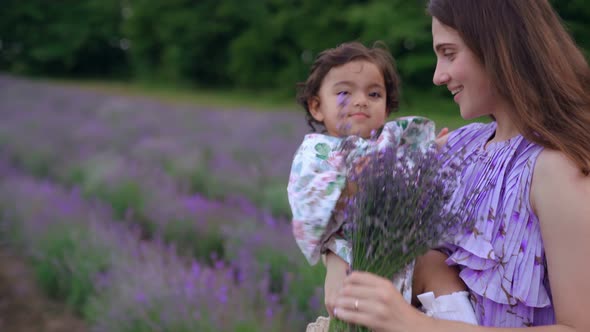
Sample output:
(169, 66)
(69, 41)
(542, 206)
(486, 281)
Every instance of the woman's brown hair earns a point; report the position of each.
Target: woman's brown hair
(534, 63)
(341, 55)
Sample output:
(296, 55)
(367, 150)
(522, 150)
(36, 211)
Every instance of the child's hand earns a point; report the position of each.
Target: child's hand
(443, 132)
(336, 269)
(442, 137)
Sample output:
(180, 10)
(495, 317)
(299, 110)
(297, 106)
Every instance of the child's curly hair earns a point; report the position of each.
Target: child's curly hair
(341, 55)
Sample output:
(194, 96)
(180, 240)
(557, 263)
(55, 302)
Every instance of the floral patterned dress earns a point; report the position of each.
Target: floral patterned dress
(318, 178)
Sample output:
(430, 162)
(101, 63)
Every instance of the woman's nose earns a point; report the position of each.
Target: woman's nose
(440, 76)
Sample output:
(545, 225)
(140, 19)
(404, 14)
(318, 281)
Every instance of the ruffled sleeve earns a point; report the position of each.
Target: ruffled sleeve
(417, 131)
(316, 182)
(414, 132)
(318, 177)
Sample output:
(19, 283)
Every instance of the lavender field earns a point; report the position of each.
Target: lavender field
(144, 216)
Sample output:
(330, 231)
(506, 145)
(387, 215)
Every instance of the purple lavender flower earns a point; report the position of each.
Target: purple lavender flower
(403, 206)
(99, 141)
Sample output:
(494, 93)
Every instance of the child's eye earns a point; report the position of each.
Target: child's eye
(342, 98)
(375, 94)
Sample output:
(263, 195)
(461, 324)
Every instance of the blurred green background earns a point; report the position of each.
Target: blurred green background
(257, 50)
(198, 162)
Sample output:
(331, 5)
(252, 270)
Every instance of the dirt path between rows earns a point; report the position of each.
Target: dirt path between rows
(24, 307)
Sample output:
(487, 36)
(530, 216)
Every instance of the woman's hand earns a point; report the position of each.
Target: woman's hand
(336, 269)
(373, 302)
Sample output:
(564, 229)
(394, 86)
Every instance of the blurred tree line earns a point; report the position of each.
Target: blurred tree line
(258, 44)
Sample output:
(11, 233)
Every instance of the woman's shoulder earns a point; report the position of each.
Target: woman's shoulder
(552, 157)
(557, 179)
(555, 172)
(553, 165)
(560, 194)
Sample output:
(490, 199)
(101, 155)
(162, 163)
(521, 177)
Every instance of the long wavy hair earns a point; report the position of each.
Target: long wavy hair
(534, 63)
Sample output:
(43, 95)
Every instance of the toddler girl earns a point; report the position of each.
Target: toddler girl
(351, 90)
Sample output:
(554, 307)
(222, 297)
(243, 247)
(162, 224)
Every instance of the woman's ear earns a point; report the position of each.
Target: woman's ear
(314, 109)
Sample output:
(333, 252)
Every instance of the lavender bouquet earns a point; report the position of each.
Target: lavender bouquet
(401, 207)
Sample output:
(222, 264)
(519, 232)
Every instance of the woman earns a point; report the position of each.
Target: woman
(524, 262)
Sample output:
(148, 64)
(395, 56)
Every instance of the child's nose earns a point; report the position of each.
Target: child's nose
(360, 100)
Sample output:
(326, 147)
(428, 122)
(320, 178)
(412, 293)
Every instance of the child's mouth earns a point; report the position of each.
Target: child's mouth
(359, 115)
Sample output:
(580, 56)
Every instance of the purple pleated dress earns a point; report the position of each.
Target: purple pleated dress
(503, 260)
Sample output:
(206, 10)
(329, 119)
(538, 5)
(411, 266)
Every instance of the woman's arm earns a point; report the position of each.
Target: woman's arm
(560, 196)
(372, 301)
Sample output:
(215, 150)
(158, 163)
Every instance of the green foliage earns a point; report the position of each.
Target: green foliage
(62, 38)
(305, 286)
(36, 162)
(75, 176)
(205, 245)
(68, 264)
(181, 40)
(575, 14)
(202, 181)
(273, 197)
(252, 45)
(405, 28)
(303, 283)
(121, 197)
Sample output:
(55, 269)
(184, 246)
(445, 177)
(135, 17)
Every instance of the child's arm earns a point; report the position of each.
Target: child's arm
(336, 269)
(440, 291)
(337, 258)
(432, 274)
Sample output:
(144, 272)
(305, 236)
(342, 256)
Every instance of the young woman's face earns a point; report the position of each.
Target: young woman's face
(458, 68)
(351, 100)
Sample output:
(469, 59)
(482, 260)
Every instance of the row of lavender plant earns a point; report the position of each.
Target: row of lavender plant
(198, 227)
(140, 191)
(122, 283)
(210, 231)
(73, 134)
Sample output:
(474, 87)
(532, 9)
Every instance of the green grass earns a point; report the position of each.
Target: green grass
(440, 109)
(186, 94)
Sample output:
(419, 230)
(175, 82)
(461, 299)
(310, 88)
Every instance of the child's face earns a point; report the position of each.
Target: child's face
(351, 100)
